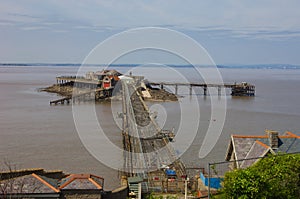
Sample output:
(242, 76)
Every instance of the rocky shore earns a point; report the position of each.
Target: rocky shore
(153, 94)
(161, 95)
(65, 91)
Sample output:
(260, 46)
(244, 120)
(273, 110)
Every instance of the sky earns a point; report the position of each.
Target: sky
(232, 31)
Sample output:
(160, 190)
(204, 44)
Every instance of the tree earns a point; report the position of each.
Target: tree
(277, 176)
(9, 184)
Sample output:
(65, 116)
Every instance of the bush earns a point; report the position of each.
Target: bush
(277, 176)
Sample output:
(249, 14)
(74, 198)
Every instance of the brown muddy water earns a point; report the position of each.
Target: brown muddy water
(35, 134)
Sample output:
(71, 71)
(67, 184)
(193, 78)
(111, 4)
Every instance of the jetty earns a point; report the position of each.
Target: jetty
(97, 89)
(150, 156)
(101, 84)
(242, 89)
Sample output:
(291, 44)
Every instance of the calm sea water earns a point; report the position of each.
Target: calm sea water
(35, 134)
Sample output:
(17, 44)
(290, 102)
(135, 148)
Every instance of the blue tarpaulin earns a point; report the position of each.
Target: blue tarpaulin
(214, 182)
(170, 172)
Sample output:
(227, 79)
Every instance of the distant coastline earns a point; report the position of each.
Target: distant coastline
(233, 66)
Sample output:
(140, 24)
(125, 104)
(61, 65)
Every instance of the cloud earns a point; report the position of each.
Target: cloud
(259, 19)
(6, 23)
(34, 28)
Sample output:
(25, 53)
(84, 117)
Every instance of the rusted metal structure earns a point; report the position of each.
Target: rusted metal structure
(99, 85)
(242, 89)
(105, 79)
(91, 95)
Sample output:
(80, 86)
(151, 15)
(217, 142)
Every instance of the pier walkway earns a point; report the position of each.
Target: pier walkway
(98, 92)
(149, 150)
(242, 89)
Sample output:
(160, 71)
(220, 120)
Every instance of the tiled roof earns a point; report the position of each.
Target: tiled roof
(258, 149)
(34, 183)
(28, 184)
(81, 181)
(289, 145)
(242, 146)
(53, 182)
(250, 146)
(292, 134)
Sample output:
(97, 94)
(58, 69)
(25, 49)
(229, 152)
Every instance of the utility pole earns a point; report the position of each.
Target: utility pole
(185, 188)
(140, 191)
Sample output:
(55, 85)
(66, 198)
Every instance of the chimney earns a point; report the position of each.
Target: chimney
(273, 138)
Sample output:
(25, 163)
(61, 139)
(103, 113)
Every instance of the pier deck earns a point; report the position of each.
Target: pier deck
(147, 156)
(242, 89)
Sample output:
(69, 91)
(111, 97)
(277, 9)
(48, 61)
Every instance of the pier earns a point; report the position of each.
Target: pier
(101, 84)
(93, 95)
(148, 156)
(150, 151)
(242, 89)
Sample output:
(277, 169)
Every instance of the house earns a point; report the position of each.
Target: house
(245, 150)
(99, 75)
(106, 79)
(29, 186)
(37, 183)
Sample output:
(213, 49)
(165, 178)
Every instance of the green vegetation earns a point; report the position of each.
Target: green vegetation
(277, 176)
(152, 196)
